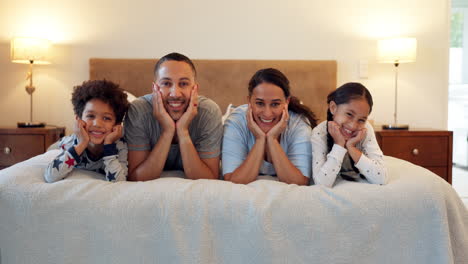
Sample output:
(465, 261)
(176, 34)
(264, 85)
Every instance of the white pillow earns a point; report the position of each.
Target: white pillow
(130, 97)
(229, 110)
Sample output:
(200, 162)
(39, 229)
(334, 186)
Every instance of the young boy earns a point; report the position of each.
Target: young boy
(96, 144)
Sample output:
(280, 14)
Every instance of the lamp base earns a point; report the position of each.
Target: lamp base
(31, 124)
(395, 127)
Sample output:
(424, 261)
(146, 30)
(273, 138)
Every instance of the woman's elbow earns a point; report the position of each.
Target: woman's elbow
(303, 180)
(238, 180)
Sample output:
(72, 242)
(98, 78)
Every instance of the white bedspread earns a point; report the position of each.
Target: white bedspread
(416, 218)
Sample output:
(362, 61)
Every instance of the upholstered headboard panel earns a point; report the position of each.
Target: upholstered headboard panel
(225, 81)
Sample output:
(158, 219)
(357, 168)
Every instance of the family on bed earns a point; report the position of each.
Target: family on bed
(174, 128)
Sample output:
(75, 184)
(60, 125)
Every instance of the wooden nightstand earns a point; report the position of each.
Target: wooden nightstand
(18, 144)
(431, 149)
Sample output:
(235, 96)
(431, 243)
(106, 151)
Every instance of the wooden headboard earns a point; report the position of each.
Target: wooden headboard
(225, 81)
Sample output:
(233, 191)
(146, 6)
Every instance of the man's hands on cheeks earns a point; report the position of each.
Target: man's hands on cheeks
(184, 121)
(253, 127)
(280, 126)
(115, 135)
(335, 132)
(160, 113)
(79, 129)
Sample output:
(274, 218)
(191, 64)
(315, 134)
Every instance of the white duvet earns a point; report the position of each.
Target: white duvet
(416, 218)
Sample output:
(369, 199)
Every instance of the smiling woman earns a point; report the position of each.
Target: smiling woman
(270, 135)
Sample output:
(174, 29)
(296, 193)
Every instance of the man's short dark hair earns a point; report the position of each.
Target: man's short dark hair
(174, 56)
(106, 91)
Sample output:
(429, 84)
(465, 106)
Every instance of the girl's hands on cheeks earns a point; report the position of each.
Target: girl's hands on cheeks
(360, 135)
(335, 133)
(115, 135)
(253, 127)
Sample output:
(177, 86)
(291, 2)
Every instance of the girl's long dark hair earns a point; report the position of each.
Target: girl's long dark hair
(343, 95)
(274, 76)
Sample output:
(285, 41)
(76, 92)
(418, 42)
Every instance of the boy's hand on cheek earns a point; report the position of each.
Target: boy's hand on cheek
(82, 135)
(357, 138)
(115, 135)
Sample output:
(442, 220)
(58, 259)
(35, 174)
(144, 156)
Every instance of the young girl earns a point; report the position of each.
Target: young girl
(345, 144)
(96, 143)
(270, 135)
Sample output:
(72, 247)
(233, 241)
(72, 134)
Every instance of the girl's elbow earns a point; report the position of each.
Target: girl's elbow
(324, 183)
(385, 178)
(382, 179)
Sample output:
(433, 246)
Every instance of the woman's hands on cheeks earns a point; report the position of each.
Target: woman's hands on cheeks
(279, 128)
(253, 127)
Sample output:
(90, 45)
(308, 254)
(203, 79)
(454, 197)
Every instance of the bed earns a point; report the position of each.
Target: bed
(416, 218)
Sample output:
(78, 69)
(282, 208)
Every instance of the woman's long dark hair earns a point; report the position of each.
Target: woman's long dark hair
(343, 95)
(277, 78)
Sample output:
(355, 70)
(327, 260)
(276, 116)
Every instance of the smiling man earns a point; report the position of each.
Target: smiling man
(173, 128)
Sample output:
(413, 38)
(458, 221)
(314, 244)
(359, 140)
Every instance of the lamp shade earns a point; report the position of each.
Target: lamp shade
(27, 50)
(396, 50)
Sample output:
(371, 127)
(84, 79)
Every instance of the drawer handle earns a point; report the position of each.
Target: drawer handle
(7, 150)
(415, 151)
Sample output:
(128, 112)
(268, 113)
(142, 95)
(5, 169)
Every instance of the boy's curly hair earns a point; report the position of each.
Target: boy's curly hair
(103, 90)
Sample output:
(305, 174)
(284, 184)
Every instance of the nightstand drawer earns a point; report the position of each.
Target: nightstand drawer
(423, 151)
(431, 149)
(18, 144)
(16, 148)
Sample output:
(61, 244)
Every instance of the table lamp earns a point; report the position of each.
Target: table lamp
(396, 51)
(30, 51)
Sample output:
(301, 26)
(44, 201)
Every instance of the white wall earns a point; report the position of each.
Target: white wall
(342, 30)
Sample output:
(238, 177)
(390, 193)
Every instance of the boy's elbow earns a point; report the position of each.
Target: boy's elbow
(49, 179)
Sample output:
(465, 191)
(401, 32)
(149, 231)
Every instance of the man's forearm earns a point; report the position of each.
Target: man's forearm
(194, 167)
(152, 167)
